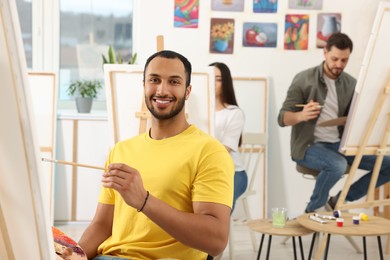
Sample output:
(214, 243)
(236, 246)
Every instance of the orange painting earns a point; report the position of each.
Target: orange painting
(296, 32)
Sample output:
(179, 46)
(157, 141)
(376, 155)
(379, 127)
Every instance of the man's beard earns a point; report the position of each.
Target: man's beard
(177, 109)
(331, 71)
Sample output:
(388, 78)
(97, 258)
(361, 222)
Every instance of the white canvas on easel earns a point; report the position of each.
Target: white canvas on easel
(44, 103)
(125, 95)
(367, 127)
(256, 121)
(24, 222)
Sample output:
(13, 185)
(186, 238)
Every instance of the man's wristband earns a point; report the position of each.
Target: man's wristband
(146, 199)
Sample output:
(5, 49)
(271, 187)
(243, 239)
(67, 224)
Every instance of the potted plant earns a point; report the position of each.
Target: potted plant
(84, 91)
(112, 58)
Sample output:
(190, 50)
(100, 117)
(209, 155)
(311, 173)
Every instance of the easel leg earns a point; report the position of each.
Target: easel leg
(321, 248)
(361, 151)
(377, 197)
(5, 240)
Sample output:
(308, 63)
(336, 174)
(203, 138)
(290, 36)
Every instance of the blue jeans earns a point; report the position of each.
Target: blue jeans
(240, 185)
(325, 158)
(107, 257)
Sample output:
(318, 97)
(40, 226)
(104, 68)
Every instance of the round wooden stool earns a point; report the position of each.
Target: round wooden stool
(292, 229)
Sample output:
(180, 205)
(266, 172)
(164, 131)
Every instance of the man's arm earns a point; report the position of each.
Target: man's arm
(98, 231)
(310, 111)
(207, 229)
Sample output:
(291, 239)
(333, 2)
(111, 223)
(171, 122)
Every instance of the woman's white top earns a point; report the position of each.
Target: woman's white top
(229, 124)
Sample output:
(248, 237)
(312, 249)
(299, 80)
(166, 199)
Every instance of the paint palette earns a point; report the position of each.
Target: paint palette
(66, 248)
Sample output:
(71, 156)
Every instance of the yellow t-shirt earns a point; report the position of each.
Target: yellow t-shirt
(179, 170)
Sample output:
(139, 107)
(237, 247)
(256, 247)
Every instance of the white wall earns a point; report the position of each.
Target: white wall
(286, 187)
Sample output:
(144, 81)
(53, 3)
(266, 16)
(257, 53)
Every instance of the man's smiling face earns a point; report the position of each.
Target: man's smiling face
(165, 87)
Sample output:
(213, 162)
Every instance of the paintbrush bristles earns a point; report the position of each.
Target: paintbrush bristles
(73, 164)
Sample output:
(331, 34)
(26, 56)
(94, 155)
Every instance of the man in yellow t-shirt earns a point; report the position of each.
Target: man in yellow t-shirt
(168, 192)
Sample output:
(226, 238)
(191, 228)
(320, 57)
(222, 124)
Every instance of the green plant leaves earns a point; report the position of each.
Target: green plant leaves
(85, 88)
(113, 59)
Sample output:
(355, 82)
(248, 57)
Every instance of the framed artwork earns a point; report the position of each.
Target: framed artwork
(259, 35)
(227, 5)
(265, 6)
(221, 35)
(186, 13)
(327, 24)
(305, 4)
(296, 32)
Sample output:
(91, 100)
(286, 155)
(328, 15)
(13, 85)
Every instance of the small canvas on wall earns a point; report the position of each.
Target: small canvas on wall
(296, 32)
(327, 24)
(265, 6)
(305, 4)
(221, 35)
(186, 13)
(227, 5)
(259, 35)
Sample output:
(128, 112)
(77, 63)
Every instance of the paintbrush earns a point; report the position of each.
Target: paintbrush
(73, 164)
(302, 105)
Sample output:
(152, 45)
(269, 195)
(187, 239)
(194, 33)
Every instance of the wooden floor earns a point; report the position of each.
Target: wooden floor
(339, 247)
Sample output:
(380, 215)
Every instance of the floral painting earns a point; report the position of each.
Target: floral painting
(296, 32)
(259, 35)
(221, 35)
(265, 6)
(186, 13)
(227, 5)
(327, 24)
(305, 4)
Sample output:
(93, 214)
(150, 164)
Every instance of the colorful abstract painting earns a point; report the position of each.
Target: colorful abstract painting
(265, 6)
(259, 35)
(227, 5)
(305, 4)
(221, 35)
(327, 24)
(186, 13)
(296, 32)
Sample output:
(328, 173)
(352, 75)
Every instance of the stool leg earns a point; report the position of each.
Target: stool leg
(260, 246)
(364, 248)
(380, 247)
(327, 247)
(352, 242)
(301, 247)
(269, 246)
(295, 250)
(312, 244)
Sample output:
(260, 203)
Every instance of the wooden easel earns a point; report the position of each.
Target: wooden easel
(144, 114)
(381, 151)
(5, 239)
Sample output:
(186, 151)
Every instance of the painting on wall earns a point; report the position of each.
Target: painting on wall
(327, 24)
(186, 13)
(296, 32)
(305, 4)
(221, 35)
(227, 5)
(265, 6)
(259, 35)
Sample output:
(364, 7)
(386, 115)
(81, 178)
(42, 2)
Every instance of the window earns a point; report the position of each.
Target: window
(87, 28)
(25, 19)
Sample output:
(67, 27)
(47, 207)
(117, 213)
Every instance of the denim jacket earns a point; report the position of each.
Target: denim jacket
(310, 85)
